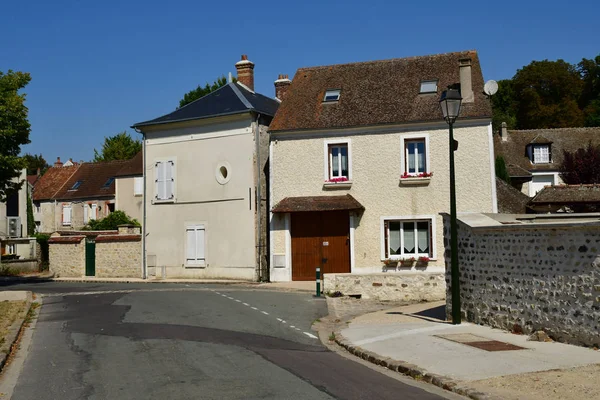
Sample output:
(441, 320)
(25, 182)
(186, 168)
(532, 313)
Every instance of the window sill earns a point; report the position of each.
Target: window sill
(415, 180)
(194, 266)
(337, 185)
(169, 201)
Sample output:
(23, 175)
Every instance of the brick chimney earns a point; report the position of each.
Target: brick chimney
(282, 85)
(58, 163)
(504, 132)
(466, 80)
(245, 72)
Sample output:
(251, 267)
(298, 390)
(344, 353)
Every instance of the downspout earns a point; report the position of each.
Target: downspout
(144, 197)
(258, 201)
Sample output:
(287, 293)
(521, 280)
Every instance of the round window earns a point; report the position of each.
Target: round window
(223, 173)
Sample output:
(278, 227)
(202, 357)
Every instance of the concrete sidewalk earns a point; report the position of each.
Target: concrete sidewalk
(416, 340)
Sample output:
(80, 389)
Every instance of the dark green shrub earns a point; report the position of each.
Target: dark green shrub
(111, 222)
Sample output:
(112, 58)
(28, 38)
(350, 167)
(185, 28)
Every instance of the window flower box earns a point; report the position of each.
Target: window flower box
(407, 262)
(416, 179)
(423, 261)
(389, 264)
(337, 183)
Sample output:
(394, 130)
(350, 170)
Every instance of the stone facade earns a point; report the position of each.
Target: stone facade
(410, 287)
(119, 256)
(530, 274)
(67, 255)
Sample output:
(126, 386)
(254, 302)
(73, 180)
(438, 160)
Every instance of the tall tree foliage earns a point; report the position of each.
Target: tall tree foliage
(35, 161)
(200, 91)
(118, 147)
(501, 171)
(14, 129)
(581, 166)
(550, 94)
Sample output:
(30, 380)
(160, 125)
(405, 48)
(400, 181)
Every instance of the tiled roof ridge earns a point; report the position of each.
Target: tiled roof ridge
(554, 129)
(410, 58)
(586, 185)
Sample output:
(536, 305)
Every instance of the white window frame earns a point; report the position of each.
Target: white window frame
(428, 81)
(138, 185)
(94, 211)
(326, 157)
(67, 221)
(331, 93)
(169, 198)
(403, 153)
(541, 147)
(196, 261)
(409, 218)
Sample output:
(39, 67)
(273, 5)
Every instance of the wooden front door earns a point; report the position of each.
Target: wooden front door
(320, 239)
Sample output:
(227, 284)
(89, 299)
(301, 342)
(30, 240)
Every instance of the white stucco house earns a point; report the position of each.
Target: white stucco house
(205, 182)
(359, 164)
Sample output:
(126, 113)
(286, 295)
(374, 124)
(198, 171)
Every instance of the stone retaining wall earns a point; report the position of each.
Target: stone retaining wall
(529, 277)
(67, 255)
(119, 256)
(406, 286)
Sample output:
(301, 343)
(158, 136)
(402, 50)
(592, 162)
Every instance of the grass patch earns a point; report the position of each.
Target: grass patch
(9, 311)
(8, 271)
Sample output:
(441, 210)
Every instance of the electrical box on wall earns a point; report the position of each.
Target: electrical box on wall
(13, 226)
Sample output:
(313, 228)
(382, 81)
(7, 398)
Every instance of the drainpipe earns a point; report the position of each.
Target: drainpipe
(258, 201)
(144, 263)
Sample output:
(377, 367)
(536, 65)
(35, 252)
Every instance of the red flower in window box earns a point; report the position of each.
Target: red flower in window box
(423, 259)
(421, 175)
(336, 180)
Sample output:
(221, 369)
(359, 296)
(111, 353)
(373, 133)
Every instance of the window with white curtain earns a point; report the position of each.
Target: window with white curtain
(415, 160)
(541, 154)
(338, 161)
(195, 242)
(407, 238)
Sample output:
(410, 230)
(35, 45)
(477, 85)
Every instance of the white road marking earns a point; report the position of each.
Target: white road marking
(264, 312)
(310, 335)
(283, 322)
(239, 301)
(279, 319)
(298, 329)
(246, 304)
(292, 326)
(254, 308)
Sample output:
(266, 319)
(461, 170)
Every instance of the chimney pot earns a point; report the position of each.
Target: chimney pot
(245, 72)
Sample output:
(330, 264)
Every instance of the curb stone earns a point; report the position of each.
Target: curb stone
(411, 370)
(14, 331)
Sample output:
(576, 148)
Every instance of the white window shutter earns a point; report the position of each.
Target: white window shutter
(200, 244)
(169, 180)
(160, 178)
(190, 234)
(85, 213)
(94, 214)
(138, 185)
(66, 215)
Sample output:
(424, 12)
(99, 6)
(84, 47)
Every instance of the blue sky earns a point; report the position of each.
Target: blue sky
(99, 67)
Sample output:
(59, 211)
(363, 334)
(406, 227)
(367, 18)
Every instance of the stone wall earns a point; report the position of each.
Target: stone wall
(410, 287)
(528, 276)
(67, 255)
(119, 256)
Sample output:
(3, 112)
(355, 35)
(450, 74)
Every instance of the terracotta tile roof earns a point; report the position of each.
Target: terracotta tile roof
(52, 181)
(567, 194)
(514, 149)
(134, 167)
(510, 200)
(317, 203)
(32, 179)
(93, 177)
(376, 93)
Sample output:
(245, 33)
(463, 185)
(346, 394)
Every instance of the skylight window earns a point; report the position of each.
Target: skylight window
(429, 86)
(76, 185)
(108, 183)
(332, 95)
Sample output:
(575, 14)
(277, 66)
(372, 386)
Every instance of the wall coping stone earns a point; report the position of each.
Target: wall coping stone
(66, 239)
(118, 238)
(87, 233)
(494, 222)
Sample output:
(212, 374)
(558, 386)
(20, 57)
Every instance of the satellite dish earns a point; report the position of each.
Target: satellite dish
(490, 88)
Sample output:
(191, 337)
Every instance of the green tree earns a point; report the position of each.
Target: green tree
(581, 166)
(118, 147)
(30, 220)
(33, 162)
(111, 222)
(14, 129)
(546, 95)
(501, 171)
(200, 91)
(589, 101)
(503, 106)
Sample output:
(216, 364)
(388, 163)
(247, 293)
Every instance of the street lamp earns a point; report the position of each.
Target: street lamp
(450, 104)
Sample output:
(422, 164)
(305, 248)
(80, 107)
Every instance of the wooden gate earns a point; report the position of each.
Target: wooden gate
(320, 239)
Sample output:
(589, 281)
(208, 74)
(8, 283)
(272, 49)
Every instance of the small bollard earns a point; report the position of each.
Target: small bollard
(318, 282)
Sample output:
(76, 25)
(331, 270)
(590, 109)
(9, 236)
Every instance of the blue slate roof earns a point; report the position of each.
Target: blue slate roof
(230, 99)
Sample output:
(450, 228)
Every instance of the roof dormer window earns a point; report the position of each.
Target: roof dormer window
(332, 95)
(429, 86)
(541, 154)
(76, 185)
(108, 183)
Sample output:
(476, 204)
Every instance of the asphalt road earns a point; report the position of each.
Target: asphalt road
(142, 341)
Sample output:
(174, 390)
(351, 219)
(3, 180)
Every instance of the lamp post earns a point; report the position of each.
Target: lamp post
(450, 104)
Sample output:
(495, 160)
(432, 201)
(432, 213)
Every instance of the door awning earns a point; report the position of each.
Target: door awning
(317, 203)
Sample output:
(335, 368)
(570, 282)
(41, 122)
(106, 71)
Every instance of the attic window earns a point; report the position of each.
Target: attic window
(108, 183)
(429, 86)
(332, 95)
(76, 185)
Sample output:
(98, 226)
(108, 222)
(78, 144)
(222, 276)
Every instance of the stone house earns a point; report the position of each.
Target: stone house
(533, 156)
(567, 198)
(13, 211)
(205, 170)
(68, 197)
(129, 187)
(359, 164)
